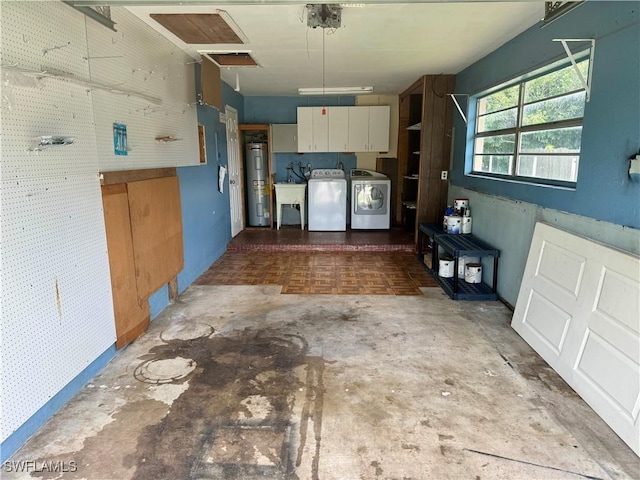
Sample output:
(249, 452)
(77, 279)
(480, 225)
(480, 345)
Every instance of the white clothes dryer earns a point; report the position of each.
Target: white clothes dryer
(370, 197)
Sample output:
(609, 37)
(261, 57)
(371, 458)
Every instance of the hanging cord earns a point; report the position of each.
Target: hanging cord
(324, 97)
(301, 176)
(433, 86)
(323, 55)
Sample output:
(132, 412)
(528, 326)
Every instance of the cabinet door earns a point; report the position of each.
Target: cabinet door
(338, 129)
(320, 129)
(305, 130)
(379, 128)
(358, 129)
(284, 138)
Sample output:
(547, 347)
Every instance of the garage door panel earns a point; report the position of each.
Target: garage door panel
(579, 308)
(618, 298)
(617, 378)
(561, 267)
(617, 334)
(548, 322)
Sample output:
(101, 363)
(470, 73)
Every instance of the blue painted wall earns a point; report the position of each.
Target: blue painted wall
(206, 221)
(605, 203)
(283, 109)
(611, 131)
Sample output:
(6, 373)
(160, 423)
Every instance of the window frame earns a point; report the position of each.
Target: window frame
(519, 129)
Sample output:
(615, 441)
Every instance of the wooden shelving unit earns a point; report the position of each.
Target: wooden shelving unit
(424, 150)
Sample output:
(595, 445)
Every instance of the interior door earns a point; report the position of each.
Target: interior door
(579, 308)
(233, 164)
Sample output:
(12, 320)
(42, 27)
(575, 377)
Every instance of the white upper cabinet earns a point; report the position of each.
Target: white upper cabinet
(313, 130)
(320, 129)
(379, 128)
(358, 129)
(344, 129)
(284, 137)
(305, 130)
(338, 129)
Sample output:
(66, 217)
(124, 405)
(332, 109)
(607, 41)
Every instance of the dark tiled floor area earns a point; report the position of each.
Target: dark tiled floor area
(355, 262)
(355, 273)
(292, 238)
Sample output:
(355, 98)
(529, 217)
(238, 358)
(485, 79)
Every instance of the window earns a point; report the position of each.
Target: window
(531, 131)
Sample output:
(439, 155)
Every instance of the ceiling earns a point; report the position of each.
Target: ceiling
(387, 46)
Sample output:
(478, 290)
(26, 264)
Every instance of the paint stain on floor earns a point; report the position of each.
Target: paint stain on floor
(244, 383)
(231, 415)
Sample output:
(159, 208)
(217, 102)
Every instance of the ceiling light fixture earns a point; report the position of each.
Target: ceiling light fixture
(335, 90)
(328, 16)
(324, 15)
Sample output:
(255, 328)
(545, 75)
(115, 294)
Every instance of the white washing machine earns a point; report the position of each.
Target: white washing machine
(370, 197)
(327, 194)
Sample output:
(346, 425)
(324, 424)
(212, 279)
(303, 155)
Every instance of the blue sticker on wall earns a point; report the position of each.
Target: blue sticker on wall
(120, 139)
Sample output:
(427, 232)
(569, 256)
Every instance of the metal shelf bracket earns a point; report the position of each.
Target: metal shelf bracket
(585, 83)
(457, 104)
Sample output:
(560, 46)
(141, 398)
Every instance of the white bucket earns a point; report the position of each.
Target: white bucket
(459, 204)
(446, 268)
(462, 261)
(454, 224)
(473, 273)
(466, 224)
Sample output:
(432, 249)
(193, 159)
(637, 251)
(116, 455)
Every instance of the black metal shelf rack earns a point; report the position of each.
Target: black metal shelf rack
(458, 246)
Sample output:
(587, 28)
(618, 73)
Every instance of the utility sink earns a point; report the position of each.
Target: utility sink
(290, 194)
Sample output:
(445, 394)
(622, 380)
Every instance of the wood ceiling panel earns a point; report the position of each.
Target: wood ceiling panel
(233, 59)
(198, 28)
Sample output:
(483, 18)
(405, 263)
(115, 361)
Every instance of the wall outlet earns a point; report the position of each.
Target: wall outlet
(634, 166)
(444, 175)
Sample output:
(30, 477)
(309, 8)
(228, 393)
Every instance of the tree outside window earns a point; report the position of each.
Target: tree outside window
(532, 130)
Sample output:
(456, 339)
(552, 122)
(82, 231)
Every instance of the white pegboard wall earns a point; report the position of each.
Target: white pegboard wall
(57, 311)
(31, 35)
(53, 108)
(139, 59)
(44, 35)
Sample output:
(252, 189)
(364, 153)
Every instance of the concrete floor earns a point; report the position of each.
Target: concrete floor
(241, 382)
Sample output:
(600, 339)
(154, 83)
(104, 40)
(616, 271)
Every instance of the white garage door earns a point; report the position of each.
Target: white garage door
(579, 308)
